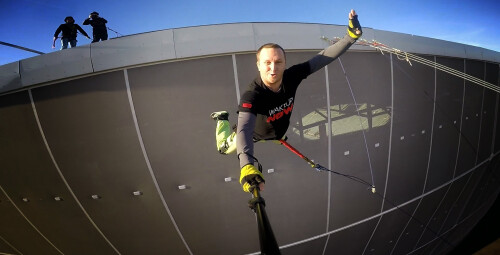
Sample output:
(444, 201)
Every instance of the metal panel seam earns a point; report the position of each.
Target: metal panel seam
(91, 60)
(477, 153)
(382, 213)
(445, 233)
(461, 122)
(174, 43)
(456, 161)
(454, 203)
(329, 137)
(31, 223)
(236, 82)
(428, 160)
(49, 151)
(388, 158)
(148, 163)
(10, 245)
(481, 117)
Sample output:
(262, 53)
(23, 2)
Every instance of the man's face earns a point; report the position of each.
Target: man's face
(271, 65)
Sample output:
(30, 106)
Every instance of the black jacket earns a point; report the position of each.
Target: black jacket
(69, 31)
(99, 25)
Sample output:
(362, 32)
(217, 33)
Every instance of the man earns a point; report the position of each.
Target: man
(69, 30)
(265, 108)
(100, 32)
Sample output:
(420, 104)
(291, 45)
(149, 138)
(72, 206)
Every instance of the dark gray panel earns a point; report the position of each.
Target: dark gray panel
(89, 127)
(497, 118)
(485, 187)
(313, 247)
(372, 90)
(478, 195)
(418, 223)
(488, 115)
(20, 235)
(173, 103)
(462, 198)
(412, 122)
(247, 69)
(389, 228)
(28, 172)
(5, 248)
(473, 101)
(454, 236)
(351, 240)
(10, 78)
(441, 213)
(428, 247)
(446, 130)
(490, 186)
(443, 245)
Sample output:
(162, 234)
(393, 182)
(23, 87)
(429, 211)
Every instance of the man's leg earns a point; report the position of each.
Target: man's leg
(64, 43)
(72, 43)
(224, 136)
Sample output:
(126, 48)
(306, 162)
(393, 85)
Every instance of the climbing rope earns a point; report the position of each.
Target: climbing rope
(408, 57)
(360, 123)
(117, 34)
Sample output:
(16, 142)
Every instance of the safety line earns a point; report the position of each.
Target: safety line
(401, 55)
(407, 56)
(388, 156)
(329, 130)
(21, 48)
(148, 163)
(360, 122)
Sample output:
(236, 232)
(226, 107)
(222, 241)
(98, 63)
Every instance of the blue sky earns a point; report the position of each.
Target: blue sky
(32, 23)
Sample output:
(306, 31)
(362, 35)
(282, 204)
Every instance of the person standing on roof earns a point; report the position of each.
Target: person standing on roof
(69, 32)
(100, 32)
(265, 108)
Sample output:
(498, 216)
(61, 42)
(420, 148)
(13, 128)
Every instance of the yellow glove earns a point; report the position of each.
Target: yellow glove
(250, 177)
(353, 27)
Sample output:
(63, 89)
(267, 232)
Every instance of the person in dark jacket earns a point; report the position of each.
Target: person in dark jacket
(100, 32)
(69, 32)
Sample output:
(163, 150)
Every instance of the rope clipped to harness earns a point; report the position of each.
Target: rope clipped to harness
(319, 167)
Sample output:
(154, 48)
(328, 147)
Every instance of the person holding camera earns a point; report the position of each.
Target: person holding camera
(100, 32)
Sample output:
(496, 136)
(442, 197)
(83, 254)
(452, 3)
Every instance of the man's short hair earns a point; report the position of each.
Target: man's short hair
(272, 46)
